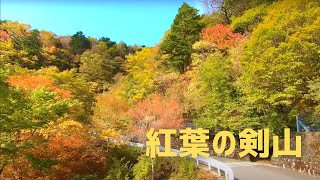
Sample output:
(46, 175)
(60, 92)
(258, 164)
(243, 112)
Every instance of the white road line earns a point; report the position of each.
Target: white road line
(241, 164)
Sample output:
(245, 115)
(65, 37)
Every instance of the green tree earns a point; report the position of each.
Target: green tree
(177, 45)
(115, 53)
(79, 87)
(30, 43)
(314, 95)
(95, 68)
(22, 46)
(120, 170)
(108, 41)
(281, 57)
(164, 168)
(214, 97)
(79, 43)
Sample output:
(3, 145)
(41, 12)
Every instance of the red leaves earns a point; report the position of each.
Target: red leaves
(31, 82)
(221, 35)
(4, 36)
(156, 112)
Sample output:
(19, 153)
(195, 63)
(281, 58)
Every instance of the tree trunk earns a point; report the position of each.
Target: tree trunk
(2, 168)
(226, 14)
(152, 168)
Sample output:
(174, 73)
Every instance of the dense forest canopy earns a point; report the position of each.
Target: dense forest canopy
(67, 102)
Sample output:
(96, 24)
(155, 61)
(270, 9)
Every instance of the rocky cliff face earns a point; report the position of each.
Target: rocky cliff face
(310, 160)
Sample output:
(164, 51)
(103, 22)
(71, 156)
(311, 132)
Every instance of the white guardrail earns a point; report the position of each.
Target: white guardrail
(208, 161)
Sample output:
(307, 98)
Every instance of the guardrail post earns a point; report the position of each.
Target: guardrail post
(298, 126)
(228, 172)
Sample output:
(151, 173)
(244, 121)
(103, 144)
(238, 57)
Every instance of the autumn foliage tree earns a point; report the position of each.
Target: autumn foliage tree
(67, 146)
(55, 124)
(31, 82)
(58, 158)
(155, 112)
(23, 114)
(141, 71)
(221, 36)
(110, 112)
(72, 81)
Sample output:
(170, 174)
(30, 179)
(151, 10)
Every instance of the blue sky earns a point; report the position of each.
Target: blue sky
(141, 22)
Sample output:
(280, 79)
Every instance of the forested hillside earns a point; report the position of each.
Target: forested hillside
(67, 103)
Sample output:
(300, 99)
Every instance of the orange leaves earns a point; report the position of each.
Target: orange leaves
(74, 154)
(221, 35)
(156, 112)
(66, 136)
(67, 143)
(50, 49)
(21, 168)
(4, 36)
(31, 82)
(67, 152)
(63, 92)
(28, 81)
(110, 112)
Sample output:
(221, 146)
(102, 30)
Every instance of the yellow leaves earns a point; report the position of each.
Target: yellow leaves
(141, 73)
(6, 50)
(6, 45)
(110, 113)
(143, 59)
(61, 128)
(71, 124)
(110, 133)
(50, 50)
(250, 19)
(15, 27)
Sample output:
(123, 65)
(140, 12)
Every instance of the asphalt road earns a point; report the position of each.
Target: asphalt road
(245, 170)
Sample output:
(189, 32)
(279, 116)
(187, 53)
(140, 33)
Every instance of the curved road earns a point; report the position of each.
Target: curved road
(245, 170)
